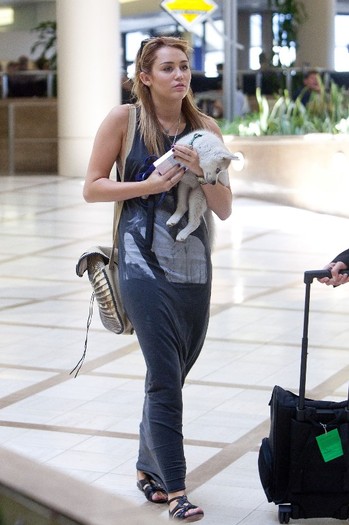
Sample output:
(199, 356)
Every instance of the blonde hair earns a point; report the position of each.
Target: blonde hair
(150, 127)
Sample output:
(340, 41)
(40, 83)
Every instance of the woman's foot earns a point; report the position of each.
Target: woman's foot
(182, 509)
(153, 491)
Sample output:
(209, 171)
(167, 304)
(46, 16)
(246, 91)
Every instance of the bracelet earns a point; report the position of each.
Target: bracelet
(201, 180)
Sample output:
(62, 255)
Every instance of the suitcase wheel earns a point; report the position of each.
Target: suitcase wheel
(284, 513)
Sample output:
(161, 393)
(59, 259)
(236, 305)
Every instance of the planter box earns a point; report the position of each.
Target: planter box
(307, 171)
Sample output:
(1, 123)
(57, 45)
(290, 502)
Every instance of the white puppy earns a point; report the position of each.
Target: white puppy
(214, 159)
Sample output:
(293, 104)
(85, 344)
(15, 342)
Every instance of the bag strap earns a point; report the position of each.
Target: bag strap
(119, 205)
(131, 128)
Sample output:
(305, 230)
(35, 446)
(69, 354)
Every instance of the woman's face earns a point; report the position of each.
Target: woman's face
(170, 75)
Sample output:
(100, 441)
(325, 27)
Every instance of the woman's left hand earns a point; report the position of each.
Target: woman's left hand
(218, 196)
(189, 157)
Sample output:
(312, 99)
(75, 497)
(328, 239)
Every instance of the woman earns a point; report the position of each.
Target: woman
(341, 262)
(165, 284)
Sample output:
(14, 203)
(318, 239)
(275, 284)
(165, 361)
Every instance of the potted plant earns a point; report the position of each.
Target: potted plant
(326, 112)
(295, 154)
(47, 43)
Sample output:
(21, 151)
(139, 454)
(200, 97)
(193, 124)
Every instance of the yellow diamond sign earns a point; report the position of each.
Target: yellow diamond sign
(189, 12)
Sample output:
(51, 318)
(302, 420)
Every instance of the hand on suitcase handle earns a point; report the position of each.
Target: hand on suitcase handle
(309, 275)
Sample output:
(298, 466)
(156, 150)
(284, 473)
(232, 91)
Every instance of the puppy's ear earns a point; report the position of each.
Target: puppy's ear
(226, 160)
(225, 163)
(230, 156)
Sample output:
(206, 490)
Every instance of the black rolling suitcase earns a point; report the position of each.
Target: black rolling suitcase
(304, 463)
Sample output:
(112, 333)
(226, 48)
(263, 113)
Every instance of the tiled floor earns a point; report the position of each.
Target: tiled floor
(88, 426)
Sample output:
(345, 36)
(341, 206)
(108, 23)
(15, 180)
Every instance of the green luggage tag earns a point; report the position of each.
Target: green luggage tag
(330, 444)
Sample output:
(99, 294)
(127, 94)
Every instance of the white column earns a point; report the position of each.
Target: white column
(317, 35)
(89, 72)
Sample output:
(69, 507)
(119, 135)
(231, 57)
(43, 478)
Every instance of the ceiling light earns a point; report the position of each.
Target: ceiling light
(7, 16)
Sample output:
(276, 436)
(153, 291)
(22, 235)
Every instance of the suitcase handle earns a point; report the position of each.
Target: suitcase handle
(309, 275)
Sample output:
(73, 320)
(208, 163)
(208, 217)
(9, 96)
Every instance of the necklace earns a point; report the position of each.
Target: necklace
(175, 136)
(167, 131)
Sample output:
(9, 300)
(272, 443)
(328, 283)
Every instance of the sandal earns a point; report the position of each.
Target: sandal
(149, 487)
(181, 509)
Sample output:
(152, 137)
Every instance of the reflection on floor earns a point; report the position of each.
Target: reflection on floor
(88, 426)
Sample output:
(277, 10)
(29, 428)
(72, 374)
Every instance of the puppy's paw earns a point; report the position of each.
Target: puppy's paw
(173, 220)
(181, 237)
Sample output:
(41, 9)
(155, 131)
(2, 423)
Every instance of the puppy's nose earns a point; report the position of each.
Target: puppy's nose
(214, 183)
